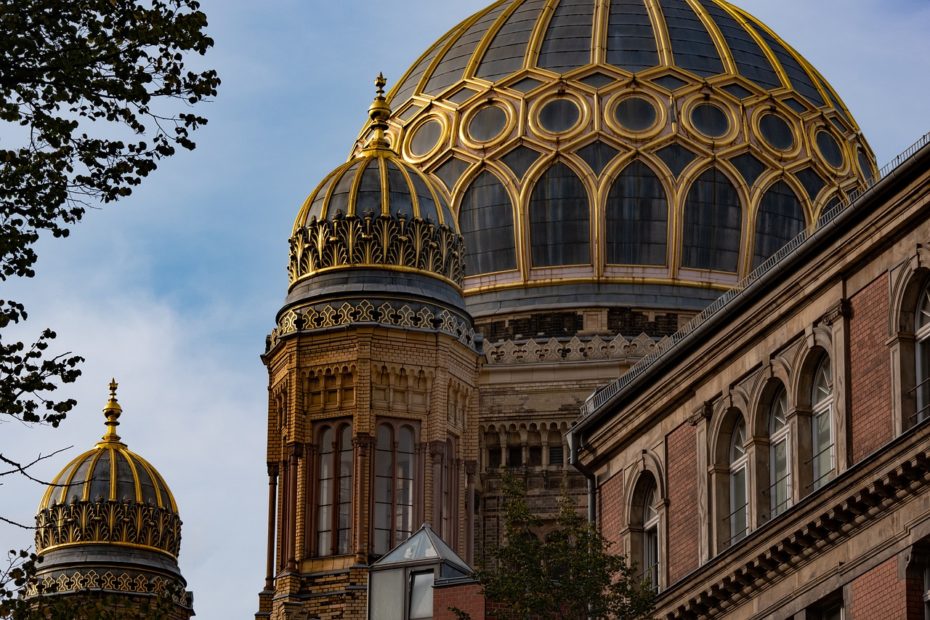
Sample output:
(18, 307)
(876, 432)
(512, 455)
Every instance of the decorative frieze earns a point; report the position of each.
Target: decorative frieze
(376, 241)
(576, 349)
(129, 523)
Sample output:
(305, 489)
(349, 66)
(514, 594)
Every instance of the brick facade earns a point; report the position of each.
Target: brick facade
(611, 511)
(683, 531)
(871, 419)
(880, 593)
(467, 597)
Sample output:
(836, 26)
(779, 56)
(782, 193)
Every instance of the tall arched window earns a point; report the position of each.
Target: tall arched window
(334, 489)
(395, 460)
(637, 218)
(644, 520)
(822, 436)
(922, 337)
(780, 219)
(739, 484)
(651, 538)
(486, 223)
(712, 224)
(779, 454)
(560, 219)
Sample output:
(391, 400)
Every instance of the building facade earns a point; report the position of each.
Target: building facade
(772, 463)
(548, 195)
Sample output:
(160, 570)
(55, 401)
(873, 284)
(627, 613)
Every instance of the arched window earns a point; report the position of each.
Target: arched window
(395, 456)
(644, 522)
(739, 484)
(712, 224)
(780, 219)
(779, 454)
(922, 337)
(334, 489)
(651, 538)
(823, 461)
(637, 218)
(486, 223)
(560, 219)
(448, 517)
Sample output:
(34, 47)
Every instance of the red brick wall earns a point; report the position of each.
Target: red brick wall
(683, 528)
(611, 511)
(870, 370)
(879, 594)
(467, 597)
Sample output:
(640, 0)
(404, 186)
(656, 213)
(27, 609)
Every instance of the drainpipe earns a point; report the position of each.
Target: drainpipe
(574, 447)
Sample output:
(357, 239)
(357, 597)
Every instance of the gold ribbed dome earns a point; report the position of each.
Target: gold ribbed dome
(377, 212)
(644, 153)
(109, 495)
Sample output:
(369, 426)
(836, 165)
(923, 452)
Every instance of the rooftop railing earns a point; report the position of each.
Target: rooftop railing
(607, 392)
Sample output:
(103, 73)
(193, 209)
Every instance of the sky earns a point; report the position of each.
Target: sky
(174, 289)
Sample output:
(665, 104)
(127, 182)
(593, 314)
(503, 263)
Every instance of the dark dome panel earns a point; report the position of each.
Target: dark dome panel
(507, 51)
(749, 57)
(567, 44)
(692, 47)
(452, 67)
(631, 42)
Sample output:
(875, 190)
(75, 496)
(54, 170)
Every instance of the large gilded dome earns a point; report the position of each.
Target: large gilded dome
(646, 153)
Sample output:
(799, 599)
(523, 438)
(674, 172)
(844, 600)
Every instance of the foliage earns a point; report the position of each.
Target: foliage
(93, 95)
(568, 573)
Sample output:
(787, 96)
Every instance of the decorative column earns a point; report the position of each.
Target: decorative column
(272, 515)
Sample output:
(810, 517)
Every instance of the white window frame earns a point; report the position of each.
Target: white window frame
(782, 435)
(737, 464)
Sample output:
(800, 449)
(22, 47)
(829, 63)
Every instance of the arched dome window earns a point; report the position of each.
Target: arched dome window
(560, 219)
(637, 218)
(712, 224)
(334, 489)
(780, 219)
(486, 222)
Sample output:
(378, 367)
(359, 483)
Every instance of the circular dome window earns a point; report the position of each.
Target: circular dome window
(488, 123)
(829, 149)
(426, 138)
(636, 114)
(559, 115)
(710, 120)
(777, 132)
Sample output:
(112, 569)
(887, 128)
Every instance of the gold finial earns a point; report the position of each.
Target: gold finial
(379, 113)
(112, 411)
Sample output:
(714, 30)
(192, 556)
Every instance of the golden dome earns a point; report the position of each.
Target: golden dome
(109, 495)
(645, 153)
(376, 211)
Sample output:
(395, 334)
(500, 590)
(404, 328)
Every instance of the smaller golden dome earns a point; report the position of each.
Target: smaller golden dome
(87, 502)
(376, 211)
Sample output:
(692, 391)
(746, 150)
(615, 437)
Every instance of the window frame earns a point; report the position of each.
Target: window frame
(822, 407)
(738, 464)
(777, 437)
(338, 428)
(394, 539)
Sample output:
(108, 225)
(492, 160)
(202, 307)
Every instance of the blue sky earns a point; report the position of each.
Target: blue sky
(173, 290)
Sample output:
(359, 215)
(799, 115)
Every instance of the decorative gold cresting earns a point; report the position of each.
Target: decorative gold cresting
(379, 113)
(112, 411)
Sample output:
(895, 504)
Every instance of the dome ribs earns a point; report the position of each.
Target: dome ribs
(507, 52)
(801, 80)
(451, 68)
(748, 55)
(407, 85)
(567, 44)
(628, 45)
(691, 43)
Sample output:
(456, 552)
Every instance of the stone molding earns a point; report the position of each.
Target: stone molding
(572, 350)
(390, 314)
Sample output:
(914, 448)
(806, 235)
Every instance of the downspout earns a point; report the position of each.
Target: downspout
(574, 447)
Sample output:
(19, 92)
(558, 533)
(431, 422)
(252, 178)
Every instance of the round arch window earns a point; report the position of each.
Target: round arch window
(559, 116)
(636, 114)
(426, 138)
(829, 149)
(777, 132)
(488, 123)
(710, 120)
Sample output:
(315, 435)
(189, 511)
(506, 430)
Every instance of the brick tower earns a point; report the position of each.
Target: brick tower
(373, 371)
